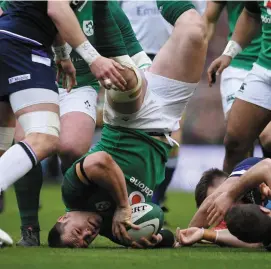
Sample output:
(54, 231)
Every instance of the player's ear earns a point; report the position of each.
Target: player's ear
(62, 219)
(265, 210)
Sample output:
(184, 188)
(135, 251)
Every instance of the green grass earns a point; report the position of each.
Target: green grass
(104, 254)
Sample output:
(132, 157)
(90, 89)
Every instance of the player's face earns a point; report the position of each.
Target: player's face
(81, 229)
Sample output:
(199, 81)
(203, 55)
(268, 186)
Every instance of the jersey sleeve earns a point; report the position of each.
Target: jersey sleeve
(243, 166)
(128, 35)
(252, 7)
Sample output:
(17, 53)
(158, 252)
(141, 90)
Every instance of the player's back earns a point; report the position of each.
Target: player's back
(28, 19)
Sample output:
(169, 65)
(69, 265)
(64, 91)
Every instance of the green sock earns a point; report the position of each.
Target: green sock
(27, 191)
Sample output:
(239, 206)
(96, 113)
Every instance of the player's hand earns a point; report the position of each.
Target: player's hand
(219, 208)
(265, 191)
(107, 72)
(190, 236)
(216, 67)
(66, 70)
(147, 243)
(122, 221)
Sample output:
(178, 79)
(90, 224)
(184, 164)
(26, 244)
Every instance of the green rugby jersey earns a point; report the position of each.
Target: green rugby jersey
(249, 55)
(265, 53)
(142, 160)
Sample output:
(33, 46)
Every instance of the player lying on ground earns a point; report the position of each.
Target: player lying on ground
(237, 216)
(129, 161)
(208, 184)
(251, 110)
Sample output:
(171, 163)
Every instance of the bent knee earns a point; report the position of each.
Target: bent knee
(265, 139)
(70, 152)
(192, 24)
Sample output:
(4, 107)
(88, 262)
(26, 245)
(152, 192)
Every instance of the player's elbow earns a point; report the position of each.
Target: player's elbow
(97, 163)
(195, 28)
(266, 166)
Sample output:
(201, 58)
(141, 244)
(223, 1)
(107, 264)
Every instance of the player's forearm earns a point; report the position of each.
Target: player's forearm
(211, 16)
(246, 28)
(225, 238)
(114, 182)
(199, 219)
(66, 22)
(259, 173)
(1, 11)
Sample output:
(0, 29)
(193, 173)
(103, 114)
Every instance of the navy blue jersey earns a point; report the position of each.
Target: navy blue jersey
(253, 196)
(29, 19)
(243, 166)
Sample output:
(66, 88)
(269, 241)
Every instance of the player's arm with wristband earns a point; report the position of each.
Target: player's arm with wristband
(69, 28)
(65, 67)
(256, 175)
(222, 237)
(247, 26)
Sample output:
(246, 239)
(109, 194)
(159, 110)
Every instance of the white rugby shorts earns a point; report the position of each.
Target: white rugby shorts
(231, 80)
(164, 103)
(83, 99)
(256, 88)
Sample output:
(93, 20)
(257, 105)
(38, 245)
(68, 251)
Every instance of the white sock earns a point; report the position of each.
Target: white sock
(14, 164)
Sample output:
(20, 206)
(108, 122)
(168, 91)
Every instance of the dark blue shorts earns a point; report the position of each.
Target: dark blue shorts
(24, 65)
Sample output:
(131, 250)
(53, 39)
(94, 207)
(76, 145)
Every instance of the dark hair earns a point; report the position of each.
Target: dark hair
(248, 223)
(207, 180)
(54, 236)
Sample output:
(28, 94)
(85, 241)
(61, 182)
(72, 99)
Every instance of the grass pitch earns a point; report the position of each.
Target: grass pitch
(104, 254)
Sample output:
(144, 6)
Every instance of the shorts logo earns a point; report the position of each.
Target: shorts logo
(19, 78)
(143, 188)
(88, 28)
(136, 197)
(242, 88)
(230, 98)
(87, 104)
(103, 206)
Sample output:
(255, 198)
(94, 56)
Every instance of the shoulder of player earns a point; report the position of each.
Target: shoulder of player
(243, 166)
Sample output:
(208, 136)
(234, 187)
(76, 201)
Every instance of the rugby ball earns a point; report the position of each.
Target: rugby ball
(5, 239)
(149, 217)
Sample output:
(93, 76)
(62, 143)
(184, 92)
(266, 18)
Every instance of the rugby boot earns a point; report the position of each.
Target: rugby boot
(30, 237)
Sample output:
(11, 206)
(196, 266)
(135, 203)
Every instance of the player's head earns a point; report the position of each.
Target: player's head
(75, 230)
(209, 182)
(250, 223)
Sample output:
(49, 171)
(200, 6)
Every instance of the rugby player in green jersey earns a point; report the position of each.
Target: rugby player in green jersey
(78, 107)
(250, 112)
(129, 161)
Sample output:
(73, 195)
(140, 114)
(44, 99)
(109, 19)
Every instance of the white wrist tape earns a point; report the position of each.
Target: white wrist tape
(118, 96)
(216, 237)
(62, 52)
(87, 52)
(232, 49)
(142, 60)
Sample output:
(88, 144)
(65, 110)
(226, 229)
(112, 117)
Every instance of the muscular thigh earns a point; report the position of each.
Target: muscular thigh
(182, 57)
(246, 121)
(78, 117)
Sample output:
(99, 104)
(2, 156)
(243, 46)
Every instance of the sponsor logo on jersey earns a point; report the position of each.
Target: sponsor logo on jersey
(143, 188)
(267, 4)
(19, 78)
(88, 28)
(103, 206)
(266, 19)
(146, 11)
(136, 197)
